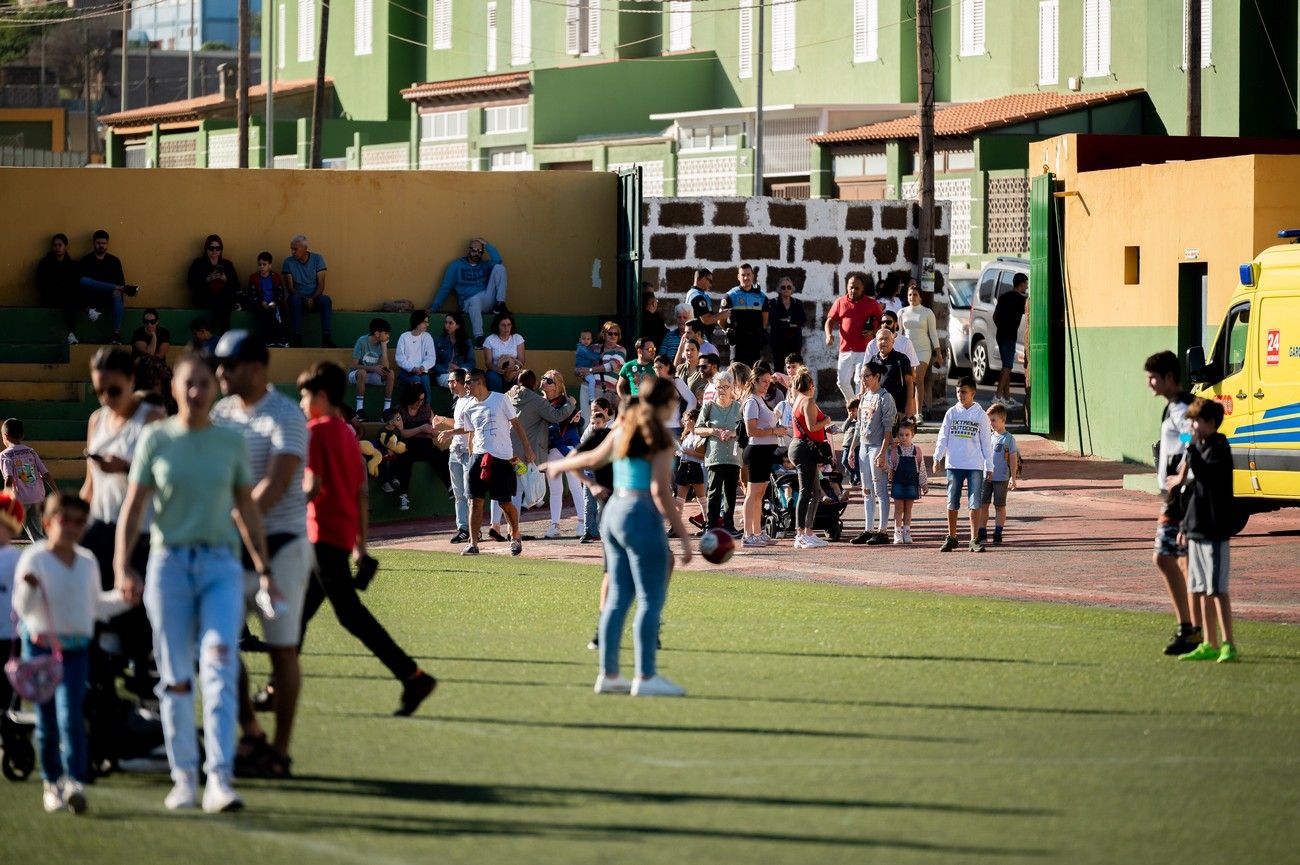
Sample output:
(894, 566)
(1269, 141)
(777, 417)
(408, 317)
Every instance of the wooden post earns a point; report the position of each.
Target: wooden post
(241, 83)
(126, 8)
(318, 98)
(925, 82)
(1194, 68)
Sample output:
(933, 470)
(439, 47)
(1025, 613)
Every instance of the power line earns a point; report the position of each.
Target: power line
(1271, 48)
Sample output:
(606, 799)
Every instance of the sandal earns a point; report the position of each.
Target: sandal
(276, 765)
(250, 756)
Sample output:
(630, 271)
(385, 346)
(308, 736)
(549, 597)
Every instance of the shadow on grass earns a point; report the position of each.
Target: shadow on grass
(283, 821)
(431, 658)
(960, 659)
(675, 728)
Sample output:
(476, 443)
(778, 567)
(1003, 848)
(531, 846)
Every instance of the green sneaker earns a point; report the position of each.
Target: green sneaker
(977, 545)
(1228, 653)
(1203, 652)
(949, 544)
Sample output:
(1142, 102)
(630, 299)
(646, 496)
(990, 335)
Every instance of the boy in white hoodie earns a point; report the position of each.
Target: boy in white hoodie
(965, 445)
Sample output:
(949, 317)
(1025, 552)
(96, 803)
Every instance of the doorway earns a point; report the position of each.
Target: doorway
(1193, 283)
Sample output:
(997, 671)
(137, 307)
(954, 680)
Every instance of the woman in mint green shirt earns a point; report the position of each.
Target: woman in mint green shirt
(196, 474)
(718, 424)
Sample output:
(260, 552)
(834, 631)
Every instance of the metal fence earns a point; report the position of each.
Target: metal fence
(29, 96)
(31, 158)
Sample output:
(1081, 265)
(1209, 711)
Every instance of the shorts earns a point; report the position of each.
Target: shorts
(689, 474)
(1007, 351)
(758, 459)
(371, 377)
(973, 478)
(292, 561)
(1207, 567)
(501, 482)
(993, 493)
(1167, 541)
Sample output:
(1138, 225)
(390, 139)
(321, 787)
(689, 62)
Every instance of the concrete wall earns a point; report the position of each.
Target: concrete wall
(1220, 212)
(383, 234)
(816, 242)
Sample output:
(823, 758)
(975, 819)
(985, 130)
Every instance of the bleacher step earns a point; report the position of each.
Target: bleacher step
(61, 391)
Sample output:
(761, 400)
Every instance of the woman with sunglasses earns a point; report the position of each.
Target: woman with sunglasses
(415, 426)
(503, 353)
(785, 320)
(562, 438)
(612, 357)
(214, 283)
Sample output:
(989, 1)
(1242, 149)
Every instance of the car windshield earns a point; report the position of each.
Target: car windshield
(960, 291)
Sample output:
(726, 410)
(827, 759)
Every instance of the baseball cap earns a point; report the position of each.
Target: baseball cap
(240, 346)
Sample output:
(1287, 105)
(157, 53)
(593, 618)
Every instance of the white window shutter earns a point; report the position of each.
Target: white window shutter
(1103, 37)
(441, 24)
(783, 35)
(363, 19)
(972, 27)
(1096, 38)
(1048, 44)
(679, 25)
(1207, 33)
(572, 23)
(279, 35)
(306, 30)
(492, 37)
(745, 50)
(521, 32)
(593, 28)
(873, 30)
(859, 31)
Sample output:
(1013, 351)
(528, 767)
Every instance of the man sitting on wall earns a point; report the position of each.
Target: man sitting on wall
(304, 279)
(479, 283)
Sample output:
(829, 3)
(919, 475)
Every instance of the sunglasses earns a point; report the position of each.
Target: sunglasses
(477, 249)
(786, 288)
(214, 249)
(548, 380)
(112, 391)
(151, 321)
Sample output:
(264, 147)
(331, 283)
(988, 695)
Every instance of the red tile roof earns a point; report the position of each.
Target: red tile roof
(203, 106)
(510, 83)
(973, 117)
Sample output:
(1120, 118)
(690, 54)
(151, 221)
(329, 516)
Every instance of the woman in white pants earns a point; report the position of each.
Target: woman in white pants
(196, 474)
(562, 438)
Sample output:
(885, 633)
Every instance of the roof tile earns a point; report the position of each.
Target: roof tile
(482, 85)
(202, 106)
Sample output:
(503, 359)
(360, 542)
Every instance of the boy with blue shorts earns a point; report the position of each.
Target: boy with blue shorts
(965, 447)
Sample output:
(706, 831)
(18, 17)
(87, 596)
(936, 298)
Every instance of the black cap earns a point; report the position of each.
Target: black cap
(241, 347)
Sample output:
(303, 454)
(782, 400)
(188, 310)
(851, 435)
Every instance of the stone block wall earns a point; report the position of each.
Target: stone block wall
(818, 243)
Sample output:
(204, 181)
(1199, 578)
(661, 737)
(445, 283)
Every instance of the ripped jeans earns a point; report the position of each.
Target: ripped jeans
(195, 601)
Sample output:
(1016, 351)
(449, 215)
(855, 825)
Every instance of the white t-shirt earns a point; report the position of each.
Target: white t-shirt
(459, 448)
(75, 598)
(901, 343)
(1172, 446)
(274, 425)
(413, 351)
(490, 421)
(756, 410)
(500, 348)
(691, 442)
(8, 562)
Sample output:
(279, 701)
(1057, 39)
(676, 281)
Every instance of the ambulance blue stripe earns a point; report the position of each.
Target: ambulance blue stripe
(1286, 423)
(1289, 437)
(1293, 408)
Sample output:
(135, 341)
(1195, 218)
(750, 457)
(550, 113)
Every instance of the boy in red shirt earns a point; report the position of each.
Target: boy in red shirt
(858, 315)
(337, 522)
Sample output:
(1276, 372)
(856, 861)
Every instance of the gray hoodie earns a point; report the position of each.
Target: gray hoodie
(535, 416)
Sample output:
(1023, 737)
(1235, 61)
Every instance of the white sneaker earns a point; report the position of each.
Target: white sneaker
(72, 338)
(219, 796)
(74, 796)
(800, 542)
(92, 313)
(612, 684)
(753, 541)
(1012, 402)
(907, 534)
(767, 539)
(52, 798)
(404, 503)
(184, 793)
(657, 686)
(898, 535)
(813, 541)
(552, 532)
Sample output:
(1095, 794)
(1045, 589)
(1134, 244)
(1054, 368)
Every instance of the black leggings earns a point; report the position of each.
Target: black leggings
(421, 449)
(722, 495)
(803, 454)
(333, 580)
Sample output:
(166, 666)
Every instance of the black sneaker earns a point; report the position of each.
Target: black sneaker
(496, 536)
(877, 539)
(864, 538)
(588, 538)
(594, 643)
(997, 536)
(1183, 641)
(414, 691)
(130, 290)
(735, 533)
(478, 341)
(983, 535)
(326, 342)
(360, 417)
(461, 537)
(949, 544)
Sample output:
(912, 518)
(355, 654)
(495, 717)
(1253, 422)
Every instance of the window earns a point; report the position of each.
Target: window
(505, 118)
(745, 52)
(279, 35)
(441, 24)
(1230, 345)
(782, 35)
(720, 137)
(444, 125)
(866, 20)
(592, 29)
(1132, 265)
(679, 25)
(306, 30)
(509, 159)
(959, 160)
(1096, 38)
(582, 27)
(972, 28)
(1207, 32)
(363, 21)
(988, 282)
(492, 37)
(521, 32)
(1048, 42)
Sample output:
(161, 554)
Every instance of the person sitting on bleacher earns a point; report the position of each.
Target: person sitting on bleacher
(58, 276)
(304, 276)
(214, 283)
(102, 279)
(149, 345)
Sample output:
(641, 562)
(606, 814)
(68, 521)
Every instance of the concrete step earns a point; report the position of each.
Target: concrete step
(42, 390)
(50, 449)
(43, 372)
(62, 469)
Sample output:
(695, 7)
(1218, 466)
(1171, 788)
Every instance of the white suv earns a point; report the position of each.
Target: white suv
(982, 350)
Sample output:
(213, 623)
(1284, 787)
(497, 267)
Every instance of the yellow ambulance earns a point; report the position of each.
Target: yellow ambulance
(1254, 371)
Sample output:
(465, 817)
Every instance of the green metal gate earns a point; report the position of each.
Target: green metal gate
(629, 250)
(1046, 373)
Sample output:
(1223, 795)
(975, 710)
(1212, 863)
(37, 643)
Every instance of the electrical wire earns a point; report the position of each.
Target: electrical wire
(1276, 60)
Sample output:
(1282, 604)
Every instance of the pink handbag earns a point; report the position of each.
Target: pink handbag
(35, 679)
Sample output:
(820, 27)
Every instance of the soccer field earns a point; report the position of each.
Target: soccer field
(825, 724)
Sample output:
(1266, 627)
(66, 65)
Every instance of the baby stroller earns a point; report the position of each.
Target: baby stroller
(782, 493)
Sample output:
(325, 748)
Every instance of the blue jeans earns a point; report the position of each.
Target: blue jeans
(591, 511)
(974, 479)
(460, 491)
(486, 300)
(61, 722)
(404, 377)
(875, 489)
(297, 305)
(638, 560)
(97, 292)
(195, 600)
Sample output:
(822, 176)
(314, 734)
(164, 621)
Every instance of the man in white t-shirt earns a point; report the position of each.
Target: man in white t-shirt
(458, 449)
(489, 418)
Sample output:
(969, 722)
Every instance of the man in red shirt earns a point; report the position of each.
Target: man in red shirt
(337, 521)
(858, 315)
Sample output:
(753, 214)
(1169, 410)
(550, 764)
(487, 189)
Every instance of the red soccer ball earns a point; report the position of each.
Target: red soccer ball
(717, 546)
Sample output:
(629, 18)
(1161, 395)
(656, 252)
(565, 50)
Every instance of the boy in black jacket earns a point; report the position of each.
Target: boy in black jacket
(1206, 478)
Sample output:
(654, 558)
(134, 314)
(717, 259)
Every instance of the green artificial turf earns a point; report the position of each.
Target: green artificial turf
(825, 724)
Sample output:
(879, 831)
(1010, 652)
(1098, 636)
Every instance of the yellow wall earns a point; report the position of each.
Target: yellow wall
(384, 234)
(1227, 209)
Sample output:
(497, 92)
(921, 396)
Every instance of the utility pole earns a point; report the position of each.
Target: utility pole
(126, 6)
(758, 126)
(1194, 68)
(268, 81)
(189, 57)
(318, 97)
(241, 84)
(925, 82)
(90, 128)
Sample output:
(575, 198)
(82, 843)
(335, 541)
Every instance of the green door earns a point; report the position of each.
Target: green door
(1045, 378)
(629, 250)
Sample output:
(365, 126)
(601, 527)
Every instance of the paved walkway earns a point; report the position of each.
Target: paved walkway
(1074, 535)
